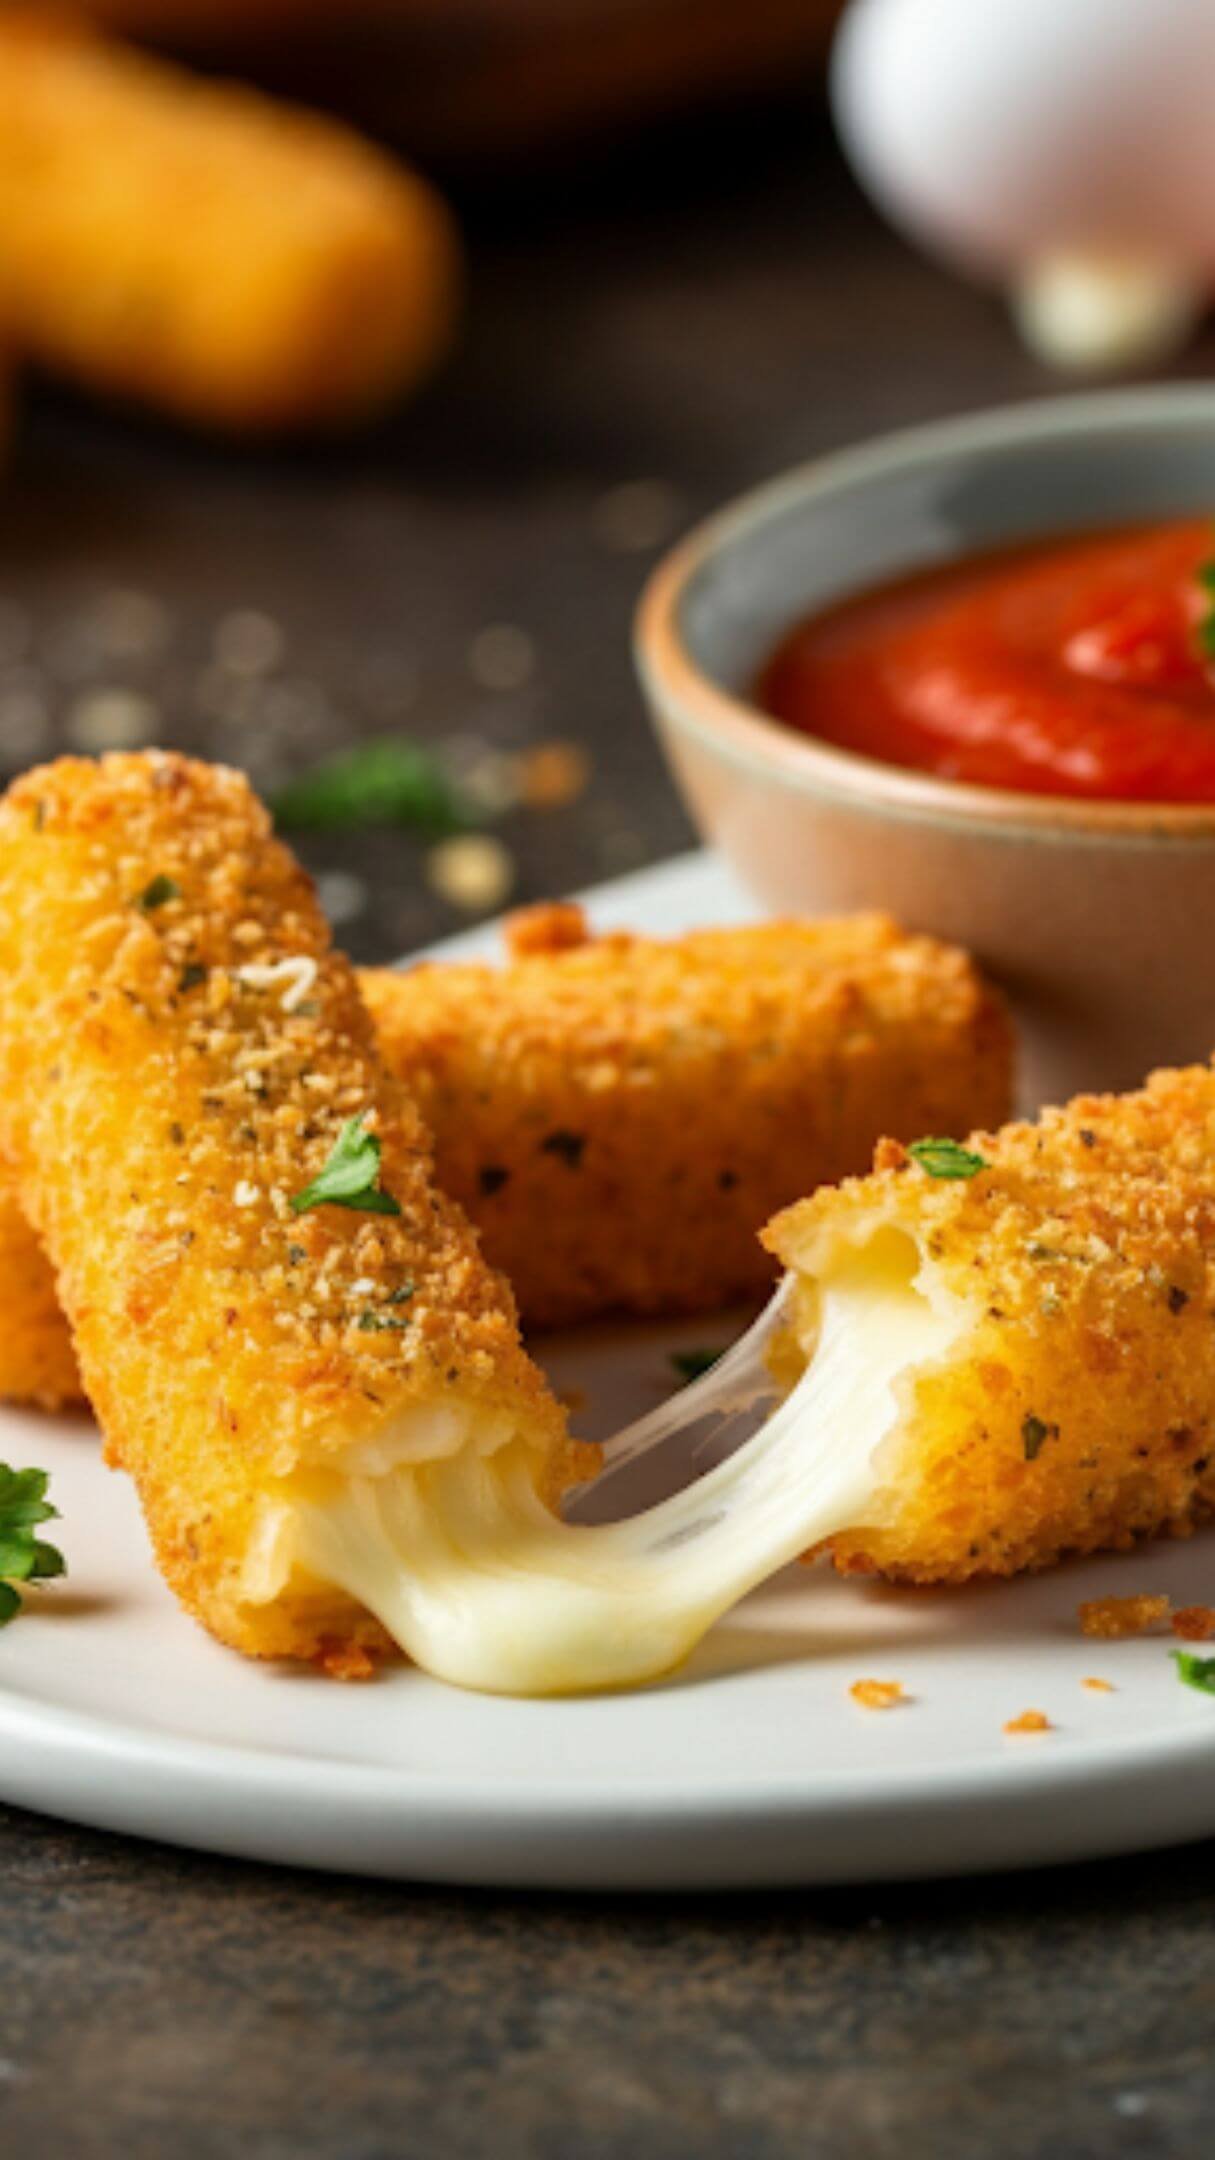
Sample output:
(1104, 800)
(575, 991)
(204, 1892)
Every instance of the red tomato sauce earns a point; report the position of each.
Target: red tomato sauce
(1072, 666)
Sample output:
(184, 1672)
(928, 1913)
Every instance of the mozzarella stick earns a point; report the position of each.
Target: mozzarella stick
(1038, 1314)
(651, 1103)
(37, 1361)
(268, 1293)
(238, 263)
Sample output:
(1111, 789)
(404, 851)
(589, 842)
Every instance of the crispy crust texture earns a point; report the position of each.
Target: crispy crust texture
(1076, 1411)
(161, 1107)
(37, 1361)
(238, 263)
(651, 1104)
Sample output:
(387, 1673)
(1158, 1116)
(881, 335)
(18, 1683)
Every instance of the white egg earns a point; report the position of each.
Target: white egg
(1009, 133)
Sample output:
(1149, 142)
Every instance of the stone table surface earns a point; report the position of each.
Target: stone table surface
(682, 319)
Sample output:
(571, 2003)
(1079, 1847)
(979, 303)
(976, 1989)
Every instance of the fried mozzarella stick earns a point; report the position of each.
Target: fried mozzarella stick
(269, 1296)
(37, 1361)
(1040, 1313)
(192, 244)
(651, 1103)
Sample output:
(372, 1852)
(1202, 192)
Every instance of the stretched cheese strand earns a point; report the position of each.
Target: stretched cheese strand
(469, 1570)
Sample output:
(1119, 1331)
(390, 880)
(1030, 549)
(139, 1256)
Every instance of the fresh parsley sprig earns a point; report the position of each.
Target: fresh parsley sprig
(350, 1177)
(946, 1159)
(1197, 1672)
(23, 1557)
(390, 781)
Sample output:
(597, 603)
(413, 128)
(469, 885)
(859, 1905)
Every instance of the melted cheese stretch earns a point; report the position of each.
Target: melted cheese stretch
(481, 1584)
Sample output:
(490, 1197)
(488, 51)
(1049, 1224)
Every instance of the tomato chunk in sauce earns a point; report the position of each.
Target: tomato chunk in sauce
(1072, 666)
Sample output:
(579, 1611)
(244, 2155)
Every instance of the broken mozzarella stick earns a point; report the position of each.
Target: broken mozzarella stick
(269, 1296)
(1038, 1310)
(654, 1102)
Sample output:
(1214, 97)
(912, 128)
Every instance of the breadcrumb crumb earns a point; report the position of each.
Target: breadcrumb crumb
(1029, 1721)
(1113, 1617)
(1099, 1687)
(878, 1694)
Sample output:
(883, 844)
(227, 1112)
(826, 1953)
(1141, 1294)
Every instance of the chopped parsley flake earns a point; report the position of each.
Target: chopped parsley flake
(350, 1177)
(24, 1557)
(1197, 1672)
(946, 1159)
(373, 1322)
(403, 1292)
(157, 892)
(690, 1364)
(569, 1146)
(1035, 1432)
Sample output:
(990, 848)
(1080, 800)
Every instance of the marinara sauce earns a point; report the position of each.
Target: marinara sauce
(1076, 666)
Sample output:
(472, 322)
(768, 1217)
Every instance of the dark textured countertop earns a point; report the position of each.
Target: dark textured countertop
(689, 325)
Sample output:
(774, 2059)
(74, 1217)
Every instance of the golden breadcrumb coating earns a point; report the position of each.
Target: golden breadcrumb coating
(180, 1049)
(1194, 1623)
(37, 1361)
(1075, 1409)
(236, 262)
(652, 1103)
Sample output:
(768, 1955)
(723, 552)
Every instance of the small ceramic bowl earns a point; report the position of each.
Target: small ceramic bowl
(1099, 918)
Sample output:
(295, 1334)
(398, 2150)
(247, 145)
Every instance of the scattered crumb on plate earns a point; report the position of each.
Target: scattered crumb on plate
(1099, 1687)
(1029, 1721)
(1112, 1617)
(877, 1694)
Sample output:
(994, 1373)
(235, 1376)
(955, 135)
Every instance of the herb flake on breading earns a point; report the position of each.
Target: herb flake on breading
(946, 1159)
(158, 892)
(350, 1176)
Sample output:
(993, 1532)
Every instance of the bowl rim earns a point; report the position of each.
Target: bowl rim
(760, 746)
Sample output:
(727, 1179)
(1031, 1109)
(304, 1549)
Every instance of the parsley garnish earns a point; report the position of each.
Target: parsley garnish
(1204, 629)
(157, 891)
(946, 1159)
(24, 1557)
(690, 1364)
(1197, 1672)
(388, 782)
(349, 1177)
(1035, 1432)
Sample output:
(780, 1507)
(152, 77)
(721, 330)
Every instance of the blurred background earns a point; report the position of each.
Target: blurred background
(413, 631)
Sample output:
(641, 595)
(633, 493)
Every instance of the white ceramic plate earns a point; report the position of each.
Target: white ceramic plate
(754, 1766)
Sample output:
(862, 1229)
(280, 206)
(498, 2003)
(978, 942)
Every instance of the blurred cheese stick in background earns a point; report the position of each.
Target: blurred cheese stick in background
(650, 1103)
(266, 1288)
(193, 245)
